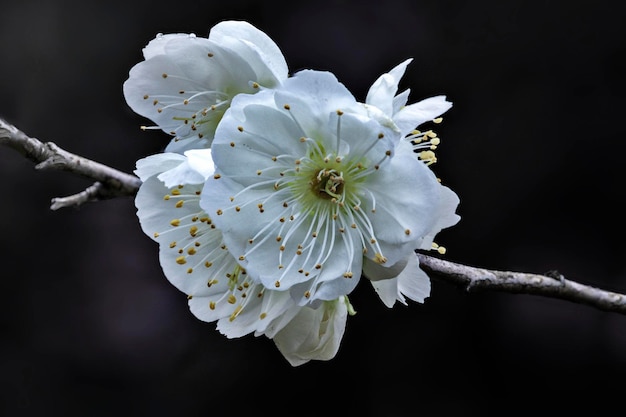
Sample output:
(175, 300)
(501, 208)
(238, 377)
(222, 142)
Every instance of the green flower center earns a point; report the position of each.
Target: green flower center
(328, 184)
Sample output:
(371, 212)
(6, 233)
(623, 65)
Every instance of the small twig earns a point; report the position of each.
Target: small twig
(109, 183)
(552, 284)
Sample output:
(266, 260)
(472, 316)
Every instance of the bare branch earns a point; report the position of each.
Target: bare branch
(552, 284)
(109, 183)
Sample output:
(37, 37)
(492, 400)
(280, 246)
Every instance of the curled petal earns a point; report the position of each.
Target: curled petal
(411, 282)
(313, 334)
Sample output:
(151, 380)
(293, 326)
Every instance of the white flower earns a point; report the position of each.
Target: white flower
(311, 185)
(195, 260)
(192, 253)
(186, 82)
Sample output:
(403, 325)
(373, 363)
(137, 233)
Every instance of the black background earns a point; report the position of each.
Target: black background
(533, 146)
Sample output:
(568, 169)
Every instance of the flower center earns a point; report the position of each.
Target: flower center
(328, 184)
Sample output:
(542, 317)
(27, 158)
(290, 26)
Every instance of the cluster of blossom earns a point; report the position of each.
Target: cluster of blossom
(279, 192)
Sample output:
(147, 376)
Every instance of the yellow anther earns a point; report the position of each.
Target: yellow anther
(232, 299)
(181, 260)
(175, 222)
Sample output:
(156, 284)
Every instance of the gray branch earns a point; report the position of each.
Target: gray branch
(111, 183)
(552, 284)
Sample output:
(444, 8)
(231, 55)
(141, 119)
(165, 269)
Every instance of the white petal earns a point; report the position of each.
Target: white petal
(413, 282)
(182, 174)
(208, 63)
(407, 198)
(155, 164)
(377, 272)
(387, 290)
(157, 45)
(201, 160)
(413, 115)
(158, 98)
(400, 100)
(314, 95)
(268, 53)
(382, 92)
(313, 334)
(448, 202)
(256, 315)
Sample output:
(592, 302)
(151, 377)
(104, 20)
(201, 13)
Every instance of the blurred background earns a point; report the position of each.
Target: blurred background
(533, 146)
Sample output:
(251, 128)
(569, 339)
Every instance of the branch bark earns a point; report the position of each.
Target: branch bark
(111, 183)
(552, 284)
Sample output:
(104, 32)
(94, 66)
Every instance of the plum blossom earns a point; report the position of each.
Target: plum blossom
(196, 260)
(186, 82)
(312, 189)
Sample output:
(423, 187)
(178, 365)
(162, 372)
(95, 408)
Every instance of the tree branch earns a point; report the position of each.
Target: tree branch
(109, 183)
(552, 284)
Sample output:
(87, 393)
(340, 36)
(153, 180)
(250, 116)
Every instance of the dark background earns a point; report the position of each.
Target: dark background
(533, 146)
